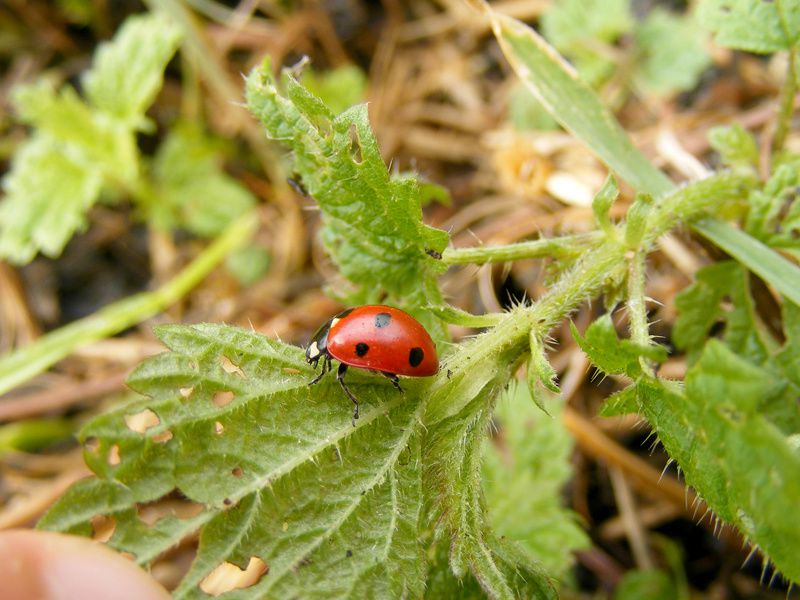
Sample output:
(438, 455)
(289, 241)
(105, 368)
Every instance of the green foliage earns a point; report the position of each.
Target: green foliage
(612, 355)
(735, 145)
(525, 467)
(191, 189)
(127, 74)
(355, 532)
(34, 434)
(752, 25)
(774, 211)
(576, 27)
(339, 89)
(372, 221)
(672, 53)
(737, 459)
(648, 584)
(669, 49)
(81, 148)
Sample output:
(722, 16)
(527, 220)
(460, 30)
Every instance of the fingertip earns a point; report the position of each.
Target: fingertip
(54, 566)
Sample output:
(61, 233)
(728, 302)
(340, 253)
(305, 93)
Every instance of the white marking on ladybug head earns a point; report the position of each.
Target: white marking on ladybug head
(333, 323)
(313, 350)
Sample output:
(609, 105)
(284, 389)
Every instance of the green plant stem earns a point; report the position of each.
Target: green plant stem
(586, 279)
(637, 308)
(22, 364)
(561, 247)
(786, 108)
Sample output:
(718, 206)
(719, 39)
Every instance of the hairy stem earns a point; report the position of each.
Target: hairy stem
(561, 247)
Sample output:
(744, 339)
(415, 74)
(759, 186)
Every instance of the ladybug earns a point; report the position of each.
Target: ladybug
(375, 337)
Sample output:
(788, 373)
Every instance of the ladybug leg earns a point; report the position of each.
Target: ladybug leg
(340, 378)
(326, 366)
(393, 378)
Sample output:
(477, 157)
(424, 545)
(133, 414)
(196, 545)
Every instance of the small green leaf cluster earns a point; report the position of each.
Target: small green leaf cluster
(84, 150)
(668, 50)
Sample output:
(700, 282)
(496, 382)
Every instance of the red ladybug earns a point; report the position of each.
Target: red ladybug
(375, 337)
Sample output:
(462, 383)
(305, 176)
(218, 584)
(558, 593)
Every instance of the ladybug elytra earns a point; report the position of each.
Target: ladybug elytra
(374, 337)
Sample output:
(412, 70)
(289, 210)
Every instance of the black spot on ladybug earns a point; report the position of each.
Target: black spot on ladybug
(415, 356)
(361, 349)
(433, 253)
(382, 320)
(349, 553)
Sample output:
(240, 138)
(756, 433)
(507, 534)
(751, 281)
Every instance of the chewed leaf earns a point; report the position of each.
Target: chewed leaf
(372, 221)
(276, 470)
(127, 72)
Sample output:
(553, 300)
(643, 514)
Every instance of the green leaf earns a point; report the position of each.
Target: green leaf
(646, 584)
(636, 224)
(623, 402)
(700, 307)
(295, 491)
(540, 372)
(47, 196)
(735, 145)
(760, 259)
(573, 104)
(339, 88)
(602, 202)
(754, 25)
(741, 464)
(193, 190)
(249, 264)
(577, 27)
(532, 452)
(774, 212)
(372, 222)
(673, 52)
(612, 355)
(88, 136)
(127, 73)
(570, 24)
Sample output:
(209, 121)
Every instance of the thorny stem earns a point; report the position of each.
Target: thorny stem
(637, 309)
(586, 279)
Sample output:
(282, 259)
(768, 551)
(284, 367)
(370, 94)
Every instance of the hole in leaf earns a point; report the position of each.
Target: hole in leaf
(237, 472)
(223, 398)
(162, 437)
(142, 421)
(218, 428)
(227, 502)
(227, 577)
(168, 506)
(186, 392)
(92, 444)
(229, 367)
(103, 527)
(113, 455)
(355, 145)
